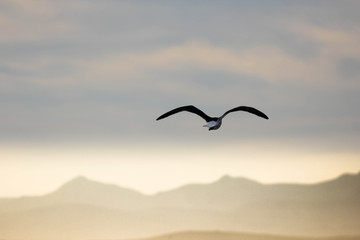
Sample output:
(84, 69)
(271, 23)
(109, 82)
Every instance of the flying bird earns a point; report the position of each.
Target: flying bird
(213, 123)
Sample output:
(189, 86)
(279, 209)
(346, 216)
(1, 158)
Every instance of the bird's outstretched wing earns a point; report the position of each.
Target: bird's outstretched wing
(246, 109)
(188, 108)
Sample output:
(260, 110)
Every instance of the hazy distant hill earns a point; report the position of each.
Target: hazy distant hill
(79, 191)
(231, 192)
(217, 235)
(83, 209)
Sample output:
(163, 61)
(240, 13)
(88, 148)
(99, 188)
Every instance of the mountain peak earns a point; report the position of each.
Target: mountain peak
(227, 179)
(79, 180)
(83, 187)
(86, 191)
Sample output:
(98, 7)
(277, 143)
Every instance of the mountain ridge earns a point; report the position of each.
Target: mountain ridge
(238, 204)
(222, 179)
(84, 190)
(230, 235)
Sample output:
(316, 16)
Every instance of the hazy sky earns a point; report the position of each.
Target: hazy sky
(82, 82)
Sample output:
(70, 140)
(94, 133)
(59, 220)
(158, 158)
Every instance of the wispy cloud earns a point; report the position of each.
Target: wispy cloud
(269, 63)
(333, 46)
(33, 20)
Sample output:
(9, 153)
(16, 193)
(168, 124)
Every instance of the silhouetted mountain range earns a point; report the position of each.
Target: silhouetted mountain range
(83, 208)
(217, 235)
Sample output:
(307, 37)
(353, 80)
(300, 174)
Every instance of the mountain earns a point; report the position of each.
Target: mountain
(216, 235)
(83, 208)
(230, 193)
(79, 191)
(226, 193)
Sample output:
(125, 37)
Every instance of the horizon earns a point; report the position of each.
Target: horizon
(82, 177)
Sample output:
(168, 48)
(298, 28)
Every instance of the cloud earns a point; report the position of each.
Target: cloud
(334, 47)
(34, 8)
(269, 63)
(326, 37)
(266, 62)
(26, 21)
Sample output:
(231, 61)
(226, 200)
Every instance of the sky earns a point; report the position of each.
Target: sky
(82, 82)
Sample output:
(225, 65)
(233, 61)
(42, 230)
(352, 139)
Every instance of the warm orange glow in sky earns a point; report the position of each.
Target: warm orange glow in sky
(39, 169)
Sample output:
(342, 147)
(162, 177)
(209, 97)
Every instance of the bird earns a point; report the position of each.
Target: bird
(213, 123)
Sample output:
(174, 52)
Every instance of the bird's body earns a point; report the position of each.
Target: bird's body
(213, 123)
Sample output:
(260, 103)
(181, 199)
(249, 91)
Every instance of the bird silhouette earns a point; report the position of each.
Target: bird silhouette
(213, 123)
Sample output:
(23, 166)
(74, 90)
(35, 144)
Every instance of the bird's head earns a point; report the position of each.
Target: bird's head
(215, 127)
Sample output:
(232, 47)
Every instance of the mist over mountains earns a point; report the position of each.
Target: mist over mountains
(82, 208)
